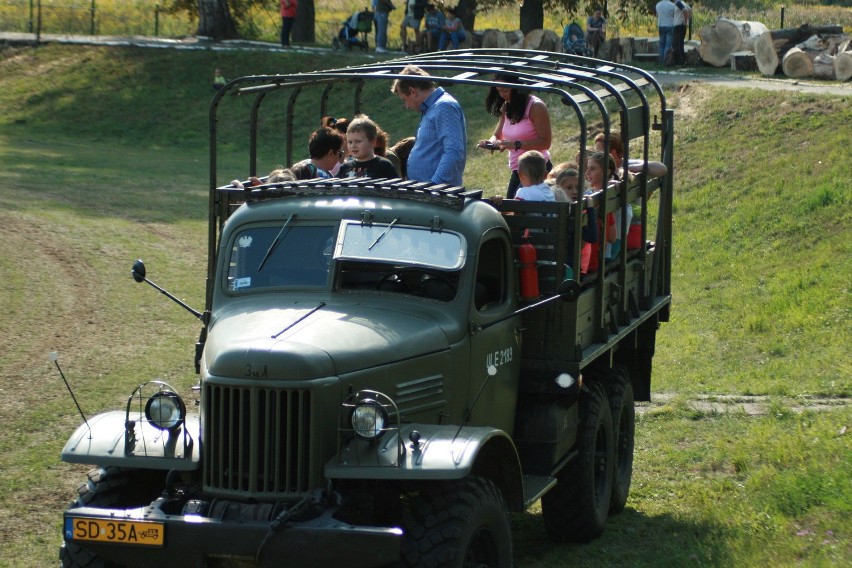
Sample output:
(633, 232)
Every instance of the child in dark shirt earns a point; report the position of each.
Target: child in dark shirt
(361, 141)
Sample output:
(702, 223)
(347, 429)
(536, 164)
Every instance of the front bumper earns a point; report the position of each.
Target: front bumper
(192, 540)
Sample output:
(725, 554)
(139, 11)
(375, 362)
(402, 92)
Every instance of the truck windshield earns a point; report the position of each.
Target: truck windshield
(400, 244)
(295, 255)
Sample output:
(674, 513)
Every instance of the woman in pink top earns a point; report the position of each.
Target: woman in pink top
(524, 125)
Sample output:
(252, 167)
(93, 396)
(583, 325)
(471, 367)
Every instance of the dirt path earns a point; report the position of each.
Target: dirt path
(748, 82)
(750, 405)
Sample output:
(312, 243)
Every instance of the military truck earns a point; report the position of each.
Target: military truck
(374, 387)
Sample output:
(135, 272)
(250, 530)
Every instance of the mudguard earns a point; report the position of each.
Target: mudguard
(127, 440)
(442, 452)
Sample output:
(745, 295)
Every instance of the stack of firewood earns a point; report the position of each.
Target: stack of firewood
(823, 52)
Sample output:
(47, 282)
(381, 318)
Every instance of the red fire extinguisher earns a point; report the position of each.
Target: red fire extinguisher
(528, 260)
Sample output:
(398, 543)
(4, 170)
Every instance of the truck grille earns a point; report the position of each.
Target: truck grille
(256, 440)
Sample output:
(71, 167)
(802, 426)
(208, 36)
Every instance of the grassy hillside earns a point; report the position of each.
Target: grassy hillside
(104, 160)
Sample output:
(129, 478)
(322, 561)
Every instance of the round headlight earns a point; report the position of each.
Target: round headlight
(369, 420)
(165, 410)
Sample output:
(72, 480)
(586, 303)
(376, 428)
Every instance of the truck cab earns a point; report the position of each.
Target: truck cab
(375, 387)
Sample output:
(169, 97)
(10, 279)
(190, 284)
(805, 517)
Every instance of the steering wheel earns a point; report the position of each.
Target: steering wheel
(411, 279)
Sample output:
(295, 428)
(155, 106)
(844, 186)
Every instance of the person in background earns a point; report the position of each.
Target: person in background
(414, 11)
(683, 12)
(453, 31)
(434, 25)
(381, 15)
(665, 26)
(398, 154)
(596, 30)
(288, 16)
(219, 80)
(325, 147)
(361, 140)
(524, 125)
(532, 169)
(439, 153)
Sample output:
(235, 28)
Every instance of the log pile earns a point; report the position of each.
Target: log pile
(770, 48)
(724, 37)
(816, 57)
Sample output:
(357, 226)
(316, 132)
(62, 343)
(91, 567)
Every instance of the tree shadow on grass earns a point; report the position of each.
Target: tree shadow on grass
(631, 539)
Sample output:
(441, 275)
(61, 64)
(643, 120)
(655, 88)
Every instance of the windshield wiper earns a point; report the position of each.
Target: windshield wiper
(313, 311)
(274, 243)
(380, 237)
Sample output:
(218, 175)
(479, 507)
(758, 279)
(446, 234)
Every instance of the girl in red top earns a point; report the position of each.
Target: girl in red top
(288, 16)
(595, 178)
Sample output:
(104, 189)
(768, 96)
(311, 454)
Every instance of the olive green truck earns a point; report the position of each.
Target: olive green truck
(375, 390)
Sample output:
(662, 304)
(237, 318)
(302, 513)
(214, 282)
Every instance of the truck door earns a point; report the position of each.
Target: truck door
(495, 352)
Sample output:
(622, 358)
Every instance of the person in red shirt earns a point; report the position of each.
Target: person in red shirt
(288, 16)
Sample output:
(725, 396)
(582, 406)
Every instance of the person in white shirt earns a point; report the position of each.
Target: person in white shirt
(682, 14)
(665, 25)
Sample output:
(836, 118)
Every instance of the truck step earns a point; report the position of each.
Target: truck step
(535, 486)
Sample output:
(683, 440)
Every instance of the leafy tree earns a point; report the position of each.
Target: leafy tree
(532, 11)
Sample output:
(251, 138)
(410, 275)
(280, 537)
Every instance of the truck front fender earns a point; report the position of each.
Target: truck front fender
(441, 453)
(128, 440)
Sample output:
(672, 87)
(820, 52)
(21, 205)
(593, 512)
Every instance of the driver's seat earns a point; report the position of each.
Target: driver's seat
(437, 289)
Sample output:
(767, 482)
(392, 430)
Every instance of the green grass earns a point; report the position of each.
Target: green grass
(105, 160)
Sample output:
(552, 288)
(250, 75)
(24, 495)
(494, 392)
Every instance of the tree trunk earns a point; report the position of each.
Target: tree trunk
(215, 21)
(798, 63)
(771, 46)
(467, 14)
(724, 37)
(532, 15)
(303, 27)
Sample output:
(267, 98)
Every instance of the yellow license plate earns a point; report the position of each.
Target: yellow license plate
(112, 530)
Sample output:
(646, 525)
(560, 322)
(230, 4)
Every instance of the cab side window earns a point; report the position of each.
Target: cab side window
(491, 275)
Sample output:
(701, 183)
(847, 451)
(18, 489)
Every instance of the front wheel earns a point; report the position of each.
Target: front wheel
(576, 509)
(457, 524)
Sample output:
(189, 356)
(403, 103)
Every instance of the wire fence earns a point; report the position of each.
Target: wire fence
(93, 17)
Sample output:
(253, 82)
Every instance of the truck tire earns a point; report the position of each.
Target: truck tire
(110, 488)
(455, 524)
(576, 509)
(620, 393)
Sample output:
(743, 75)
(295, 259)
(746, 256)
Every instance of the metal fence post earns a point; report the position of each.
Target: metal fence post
(782, 18)
(38, 23)
(157, 19)
(92, 27)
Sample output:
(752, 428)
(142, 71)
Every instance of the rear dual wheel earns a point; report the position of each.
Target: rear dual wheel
(576, 509)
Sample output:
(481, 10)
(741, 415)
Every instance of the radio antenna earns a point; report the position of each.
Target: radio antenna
(54, 358)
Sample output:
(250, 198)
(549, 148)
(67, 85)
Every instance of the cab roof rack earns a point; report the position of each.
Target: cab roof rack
(453, 197)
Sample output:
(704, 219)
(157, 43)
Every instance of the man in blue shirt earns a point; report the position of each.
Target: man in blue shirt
(440, 147)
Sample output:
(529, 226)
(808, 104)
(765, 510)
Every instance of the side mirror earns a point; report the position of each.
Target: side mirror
(568, 290)
(138, 271)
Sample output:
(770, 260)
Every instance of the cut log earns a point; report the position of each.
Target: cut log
(843, 66)
(543, 40)
(798, 63)
(515, 39)
(743, 61)
(720, 39)
(493, 38)
(824, 66)
(770, 47)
